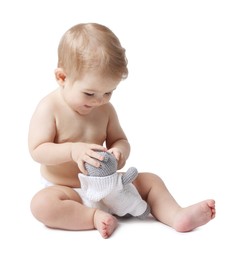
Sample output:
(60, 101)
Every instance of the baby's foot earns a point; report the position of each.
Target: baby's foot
(194, 216)
(105, 223)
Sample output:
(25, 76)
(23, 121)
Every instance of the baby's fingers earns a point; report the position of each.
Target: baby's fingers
(94, 162)
(88, 159)
(82, 167)
(116, 153)
(95, 155)
(97, 147)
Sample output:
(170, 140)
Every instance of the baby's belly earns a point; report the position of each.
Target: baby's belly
(65, 174)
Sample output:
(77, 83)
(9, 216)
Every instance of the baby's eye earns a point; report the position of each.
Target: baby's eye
(108, 93)
(89, 94)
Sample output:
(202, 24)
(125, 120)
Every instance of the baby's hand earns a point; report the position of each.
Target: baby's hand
(84, 152)
(119, 156)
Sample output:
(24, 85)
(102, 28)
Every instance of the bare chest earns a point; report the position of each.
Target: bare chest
(75, 128)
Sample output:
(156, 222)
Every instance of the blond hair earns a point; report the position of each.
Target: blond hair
(92, 47)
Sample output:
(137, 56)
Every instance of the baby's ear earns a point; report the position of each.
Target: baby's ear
(60, 76)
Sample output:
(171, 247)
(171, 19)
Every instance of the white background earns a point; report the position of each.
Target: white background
(180, 108)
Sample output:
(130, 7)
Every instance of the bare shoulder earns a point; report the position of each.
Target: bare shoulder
(48, 103)
(109, 110)
(44, 113)
(108, 106)
(42, 127)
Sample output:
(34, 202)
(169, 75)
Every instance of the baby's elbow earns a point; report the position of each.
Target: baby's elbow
(35, 153)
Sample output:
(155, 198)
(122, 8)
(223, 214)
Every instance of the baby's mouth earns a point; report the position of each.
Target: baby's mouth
(86, 106)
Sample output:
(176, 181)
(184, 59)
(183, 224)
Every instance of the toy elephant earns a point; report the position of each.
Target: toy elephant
(112, 191)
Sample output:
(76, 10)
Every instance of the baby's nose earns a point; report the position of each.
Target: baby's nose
(98, 100)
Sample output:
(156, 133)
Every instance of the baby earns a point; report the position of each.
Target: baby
(77, 119)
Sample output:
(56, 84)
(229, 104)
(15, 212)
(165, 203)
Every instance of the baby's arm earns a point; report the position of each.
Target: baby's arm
(42, 132)
(42, 146)
(116, 140)
(120, 150)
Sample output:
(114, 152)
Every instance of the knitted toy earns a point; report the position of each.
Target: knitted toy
(112, 191)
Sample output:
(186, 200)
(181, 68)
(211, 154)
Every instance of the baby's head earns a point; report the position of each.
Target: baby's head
(92, 47)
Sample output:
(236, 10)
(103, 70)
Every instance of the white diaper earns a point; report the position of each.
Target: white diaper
(45, 183)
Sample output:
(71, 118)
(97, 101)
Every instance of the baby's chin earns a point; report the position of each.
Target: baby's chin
(84, 110)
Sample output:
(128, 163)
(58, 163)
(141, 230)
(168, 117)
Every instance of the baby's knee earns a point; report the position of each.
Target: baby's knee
(41, 206)
(147, 178)
(146, 181)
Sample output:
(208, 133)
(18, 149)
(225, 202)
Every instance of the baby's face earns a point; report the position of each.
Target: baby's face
(89, 92)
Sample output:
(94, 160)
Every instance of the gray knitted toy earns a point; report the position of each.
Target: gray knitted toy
(112, 191)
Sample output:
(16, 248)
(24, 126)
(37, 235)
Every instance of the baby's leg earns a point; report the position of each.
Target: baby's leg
(61, 207)
(165, 208)
(104, 223)
(195, 216)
